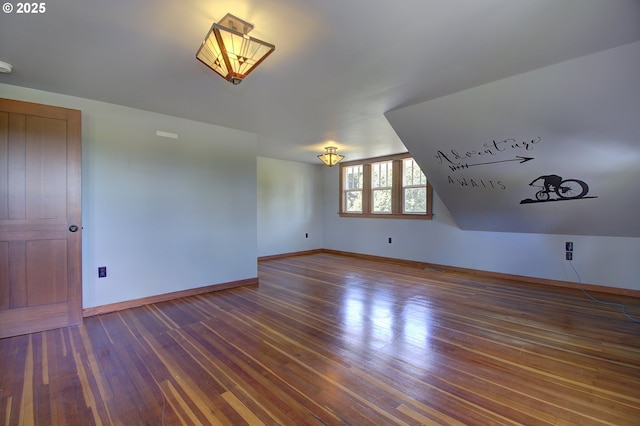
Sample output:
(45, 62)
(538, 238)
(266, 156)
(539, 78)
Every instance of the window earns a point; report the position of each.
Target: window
(414, 187)
(381, 187)
(390, 187)
(353, 188)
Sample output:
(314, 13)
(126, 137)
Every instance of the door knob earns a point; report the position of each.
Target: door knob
(73, 228)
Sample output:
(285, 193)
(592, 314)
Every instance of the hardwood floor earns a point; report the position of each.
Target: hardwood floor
(327, 339)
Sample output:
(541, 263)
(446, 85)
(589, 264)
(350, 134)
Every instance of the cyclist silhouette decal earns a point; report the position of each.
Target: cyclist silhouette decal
(555, 188)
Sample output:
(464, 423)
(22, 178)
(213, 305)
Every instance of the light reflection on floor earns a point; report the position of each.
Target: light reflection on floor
(377, 320)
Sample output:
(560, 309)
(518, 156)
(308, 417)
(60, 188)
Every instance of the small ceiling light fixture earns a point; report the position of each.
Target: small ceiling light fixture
(330, 157)
(229, 51)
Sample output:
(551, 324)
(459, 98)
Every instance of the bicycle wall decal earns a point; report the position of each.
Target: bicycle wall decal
(555, 188)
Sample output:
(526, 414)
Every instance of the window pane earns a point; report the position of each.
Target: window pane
(353, 177)
(415, 200)
(381, 201)
(353, 201)
(381, 175)
(412, 174)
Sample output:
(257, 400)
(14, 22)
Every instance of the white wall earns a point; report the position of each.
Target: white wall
(603, 261)
(165, 215)
(290, 198)
(162, 214)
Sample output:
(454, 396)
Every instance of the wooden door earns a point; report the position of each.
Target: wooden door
(40, 218)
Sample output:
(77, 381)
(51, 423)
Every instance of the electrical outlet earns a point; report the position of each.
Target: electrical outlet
(306, 235)
(389, 240)
(102, 271)
(569, 255)
(568, 246)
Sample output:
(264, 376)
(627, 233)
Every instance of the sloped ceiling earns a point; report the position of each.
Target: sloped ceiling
(340, 65)
(481, 148)
(337, 68)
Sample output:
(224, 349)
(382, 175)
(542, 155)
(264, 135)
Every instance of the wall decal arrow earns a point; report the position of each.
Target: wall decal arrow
(466, 166)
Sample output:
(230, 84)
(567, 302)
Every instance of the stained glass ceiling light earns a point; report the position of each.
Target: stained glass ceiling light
(230, 52)
(330, 157)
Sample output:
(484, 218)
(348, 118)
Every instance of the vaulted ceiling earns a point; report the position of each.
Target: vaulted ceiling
(338, 65)
(459, 83)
